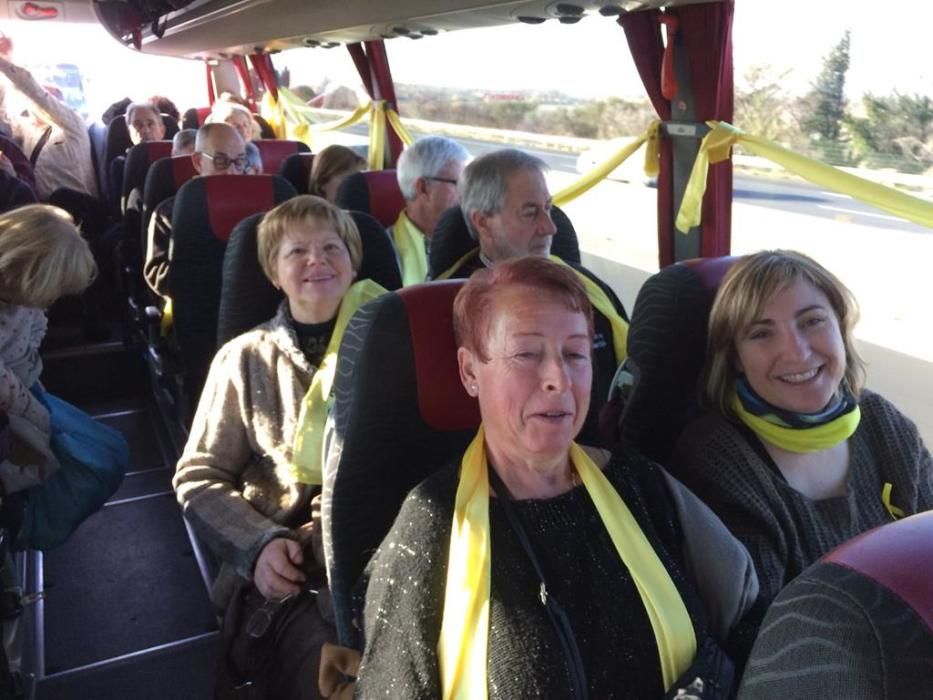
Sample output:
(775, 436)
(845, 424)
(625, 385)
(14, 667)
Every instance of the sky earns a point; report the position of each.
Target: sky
(589, 59)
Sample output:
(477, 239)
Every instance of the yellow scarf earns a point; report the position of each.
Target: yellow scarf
(409, 241)
(461, 261)
(308, 445)
(462, 649)
(813, 439)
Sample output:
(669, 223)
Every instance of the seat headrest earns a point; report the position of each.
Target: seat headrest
(666, 351)
(194, 118)
(139, 159)
(274, 151)
(248, 297)
(452, 240)
(296, 168)
(375, 192)
(400, 414)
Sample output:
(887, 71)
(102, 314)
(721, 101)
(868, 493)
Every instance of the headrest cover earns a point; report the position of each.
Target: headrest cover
(899, 556)
(274, 151)
(375, 192)
(231, 198)
(182, 170)
(442, 401)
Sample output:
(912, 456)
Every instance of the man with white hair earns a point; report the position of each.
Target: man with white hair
(428, 172)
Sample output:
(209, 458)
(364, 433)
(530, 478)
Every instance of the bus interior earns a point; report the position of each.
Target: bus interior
(122, 609)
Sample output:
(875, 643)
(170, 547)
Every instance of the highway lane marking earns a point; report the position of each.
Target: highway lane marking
(836, 195)
(862, 213)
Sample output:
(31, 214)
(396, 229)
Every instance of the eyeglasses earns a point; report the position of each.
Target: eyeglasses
(222, 161)
(448, 180)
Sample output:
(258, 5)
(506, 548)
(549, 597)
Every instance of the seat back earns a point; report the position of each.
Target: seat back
(247, 296)
(274, 151)
(666, 353)
(400, 414)
(163, 180)
(117, 141)
(857, 624)
(452, 240)
(194, 118)
(375, 192)
(205, 211)
(296, 168)
(138, 161)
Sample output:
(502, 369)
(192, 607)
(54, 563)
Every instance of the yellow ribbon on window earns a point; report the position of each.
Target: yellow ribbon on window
(464, 638)
(599, 173)
(717, 145)
(377, 135)
(895, 512)
(409, 241)
(308, 444)
(395, 121)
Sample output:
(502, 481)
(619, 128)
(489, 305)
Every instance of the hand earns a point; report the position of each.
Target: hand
(277, 573)
(337, 663)
(6, 47)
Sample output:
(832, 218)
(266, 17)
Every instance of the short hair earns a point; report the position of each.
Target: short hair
(206, 132)
(482, 185)
(165, 106)
(223, 110)
(547, 280)
(253, 156)
(182, 140)
(742, 296)
(136, 106)
(298, 210)
(42, 256)
(426, 157)
(332, 161)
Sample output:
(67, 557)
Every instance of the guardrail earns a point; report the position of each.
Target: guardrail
(575, 145)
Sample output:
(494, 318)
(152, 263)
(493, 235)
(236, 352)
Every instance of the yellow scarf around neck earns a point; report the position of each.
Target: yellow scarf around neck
(308, 445)
(409, 241)
(464, 638)
(800, 440)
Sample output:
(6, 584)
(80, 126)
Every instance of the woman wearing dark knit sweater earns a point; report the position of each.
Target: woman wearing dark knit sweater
(633, 578)
(796, 457)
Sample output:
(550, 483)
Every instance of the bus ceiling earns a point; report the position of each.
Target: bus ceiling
(217, 29)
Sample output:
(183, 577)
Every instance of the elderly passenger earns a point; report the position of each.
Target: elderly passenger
(237, 116)
(795, 456)
(252, 464)
(532, 568)
(428, 172)
(330, 167)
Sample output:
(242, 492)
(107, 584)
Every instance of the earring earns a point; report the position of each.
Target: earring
(472, 389)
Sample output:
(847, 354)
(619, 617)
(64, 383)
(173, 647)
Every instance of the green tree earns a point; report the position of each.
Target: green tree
(825, 105)
(895, 132)
(762, 106)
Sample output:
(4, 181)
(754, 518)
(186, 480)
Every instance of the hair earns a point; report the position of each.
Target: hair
(743, 294)
(474, 302)
(227, 96)
(482, 185)
(223, 110)
(254, 157)
(329, 163)
(182, 140)
(426, 157)
(296, 211)
(206, 132)
(42, 256)
(165, 106)
(136, 106)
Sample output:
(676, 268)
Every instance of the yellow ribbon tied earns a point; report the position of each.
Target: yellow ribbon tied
(599, 173)
(464, 638)
(395, 121)
(718, 142)
(409, 241)
(308, 445)
(601, 302)
(895, 512)
(377, 135)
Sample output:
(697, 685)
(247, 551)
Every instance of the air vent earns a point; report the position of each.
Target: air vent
(565, 9)
(610, 10)
(531, 20)
(568, 19)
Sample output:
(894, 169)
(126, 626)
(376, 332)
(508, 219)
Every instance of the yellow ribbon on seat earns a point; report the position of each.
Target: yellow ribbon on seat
(464, 637)
(598, 173)
(409, 241)
(308, 444)
(168, 318)
(895, 512)
(717, 145)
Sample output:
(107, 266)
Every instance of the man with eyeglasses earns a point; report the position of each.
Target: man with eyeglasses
(218, 150)
(427, 172)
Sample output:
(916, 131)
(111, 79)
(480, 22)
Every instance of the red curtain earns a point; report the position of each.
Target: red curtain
(211, 95)
(262, 64)
(707, 32)
(372, 63)
(239, 63)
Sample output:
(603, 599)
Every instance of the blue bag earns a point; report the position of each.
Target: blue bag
(93, 459)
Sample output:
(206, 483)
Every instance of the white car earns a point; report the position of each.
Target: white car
(631, 170)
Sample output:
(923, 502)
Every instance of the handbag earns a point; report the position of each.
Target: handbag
(93, 459)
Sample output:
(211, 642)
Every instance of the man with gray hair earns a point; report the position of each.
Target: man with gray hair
(507, 209)
(428, 172)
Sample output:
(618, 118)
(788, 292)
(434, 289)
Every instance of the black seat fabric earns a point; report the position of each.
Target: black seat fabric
(163, 180)
(274, 151)
(194, 118)
(666, 351)
(375, 192)
(400, 413)
(247, 296)
(296, 168)
(205, 211)
(116, 142)
(452, 240)
(857, 624)
(138, 161)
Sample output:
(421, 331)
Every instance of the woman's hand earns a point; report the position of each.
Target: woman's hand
(277, 573)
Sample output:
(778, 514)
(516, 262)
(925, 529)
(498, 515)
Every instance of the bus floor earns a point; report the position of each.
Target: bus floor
(125, 611)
